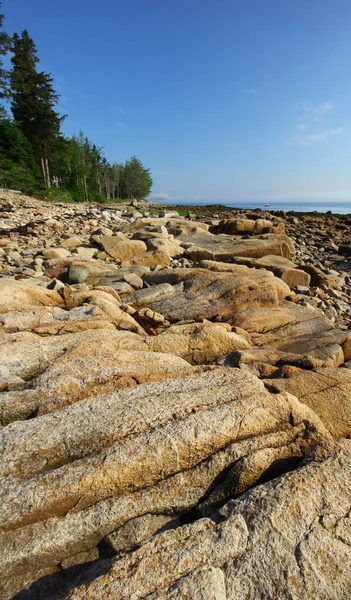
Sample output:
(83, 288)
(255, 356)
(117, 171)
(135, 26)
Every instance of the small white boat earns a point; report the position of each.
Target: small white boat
(267, 204)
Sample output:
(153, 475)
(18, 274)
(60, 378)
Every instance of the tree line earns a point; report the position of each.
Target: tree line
(34, 154)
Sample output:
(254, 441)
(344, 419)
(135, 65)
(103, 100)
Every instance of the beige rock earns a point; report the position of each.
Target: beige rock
(155, 449)
(326, 391)
(147, 296)
(84, 252)
(154, 258)
(245, 226)
(168, 244)
(134, 280)
(90, 271)
(273, 541)
(198, 342)
(120, 247)
(136, 531)
(72, 242)
(285, 269)
(206, 295)
(225, 248)
(25, 296)
(295, 331)
(86, 370)
(56, 253)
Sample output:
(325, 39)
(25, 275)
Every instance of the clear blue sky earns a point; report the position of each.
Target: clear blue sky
(222, 99)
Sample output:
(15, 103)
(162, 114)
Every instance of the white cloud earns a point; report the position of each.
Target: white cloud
(119, 109)
(322, 110)
(160, 196)
(253, 92)
(314, 138)
(302, 126)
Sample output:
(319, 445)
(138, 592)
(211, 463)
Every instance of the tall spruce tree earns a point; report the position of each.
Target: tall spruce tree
(4, 76)
(33, 102)
(137, 181)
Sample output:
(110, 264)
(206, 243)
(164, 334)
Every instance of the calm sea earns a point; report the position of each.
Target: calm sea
(335, 206)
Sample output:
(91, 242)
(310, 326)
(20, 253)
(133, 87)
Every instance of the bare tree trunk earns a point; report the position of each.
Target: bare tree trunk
(48, 182)
(43, 170)
(85, 188)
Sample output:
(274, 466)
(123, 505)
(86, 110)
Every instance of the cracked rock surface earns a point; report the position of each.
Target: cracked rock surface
(174, 402)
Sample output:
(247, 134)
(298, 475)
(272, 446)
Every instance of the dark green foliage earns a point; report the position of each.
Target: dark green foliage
(33, 102)
(18, 169)
(4, 76)
(14, 145)
(15, 177)
(34, 155)
(137, 180)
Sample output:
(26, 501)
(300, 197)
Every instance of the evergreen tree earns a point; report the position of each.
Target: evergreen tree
(137, 181)
(113, 176)
(4, 76)
(33, 102)
(18, 169)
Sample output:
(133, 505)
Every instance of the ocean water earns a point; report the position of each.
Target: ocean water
(340, 208)
(335, 206)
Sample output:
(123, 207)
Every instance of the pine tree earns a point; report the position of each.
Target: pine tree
(33, 102)
(4, 76)
(137, 181)
(18, 169)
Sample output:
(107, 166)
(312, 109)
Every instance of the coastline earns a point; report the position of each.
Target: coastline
(165, 380)
(285, 207)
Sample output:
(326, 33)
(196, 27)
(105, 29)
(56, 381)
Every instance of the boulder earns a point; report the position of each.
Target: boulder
(224, 248)
(23, 296)
(271, 542)
(208, 295)
(326, 391)
(56, 253)
(120, 247)
(199, 343)
(72, 477)
(90, 271)
(285, 269)
(154, 258)
(296, 330)
(99, 362)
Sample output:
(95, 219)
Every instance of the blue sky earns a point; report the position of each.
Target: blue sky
(222, 99)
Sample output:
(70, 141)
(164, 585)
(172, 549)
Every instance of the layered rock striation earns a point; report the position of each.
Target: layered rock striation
(174, 403)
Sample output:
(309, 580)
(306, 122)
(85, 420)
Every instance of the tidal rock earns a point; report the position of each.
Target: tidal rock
(120, 247)
(326, 391)
(65, 369)
(25, 296)
(217, 295)
(272, 538)
(224, 248)
(72, 477)
(199, 343)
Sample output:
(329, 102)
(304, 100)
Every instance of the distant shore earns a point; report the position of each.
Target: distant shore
(298, 207)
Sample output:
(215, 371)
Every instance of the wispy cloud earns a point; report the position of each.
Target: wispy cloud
(165, 196)
(119, 123)
(118, 109)
(82, 94)
(311, 119)
(253, 91)
(316, 138)
(322, 110)
(160, 196)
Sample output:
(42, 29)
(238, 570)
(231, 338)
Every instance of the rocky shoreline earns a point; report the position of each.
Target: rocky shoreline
(175, 402)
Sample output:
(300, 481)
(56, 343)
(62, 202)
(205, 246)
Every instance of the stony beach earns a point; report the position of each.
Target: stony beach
(175, 402)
